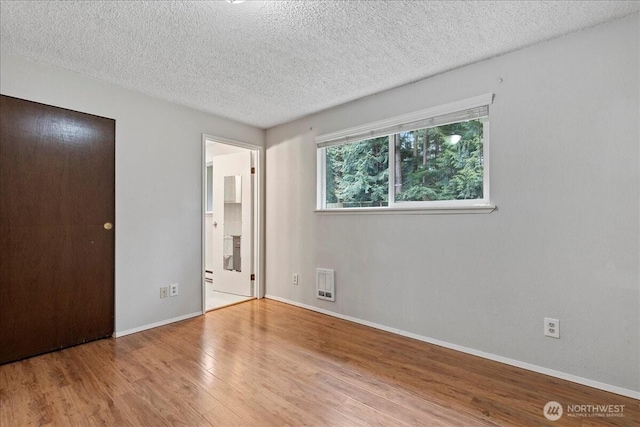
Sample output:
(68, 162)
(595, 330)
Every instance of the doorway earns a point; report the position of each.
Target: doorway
(231, 222)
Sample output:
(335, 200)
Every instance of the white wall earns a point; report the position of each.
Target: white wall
(563, 243)
(158, 184)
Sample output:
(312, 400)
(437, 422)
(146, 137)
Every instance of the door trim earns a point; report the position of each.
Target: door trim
(258, 208)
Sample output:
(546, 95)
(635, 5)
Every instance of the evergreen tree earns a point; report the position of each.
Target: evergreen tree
(428, 167)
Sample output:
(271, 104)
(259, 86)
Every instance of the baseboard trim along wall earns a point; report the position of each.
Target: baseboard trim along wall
(528, 366)
(155, 325)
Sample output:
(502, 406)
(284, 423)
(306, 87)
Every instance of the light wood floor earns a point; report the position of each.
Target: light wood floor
(264, 363)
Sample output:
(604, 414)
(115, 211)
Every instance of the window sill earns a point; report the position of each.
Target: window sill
(440, 210)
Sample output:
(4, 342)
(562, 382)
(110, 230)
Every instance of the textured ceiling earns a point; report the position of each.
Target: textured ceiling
(266, 63)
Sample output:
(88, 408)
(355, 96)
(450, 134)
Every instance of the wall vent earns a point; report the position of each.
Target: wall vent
(325, 284)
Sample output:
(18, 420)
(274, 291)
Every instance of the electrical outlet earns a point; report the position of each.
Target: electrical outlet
(164, 291)
(552, 327)
(295, 279)
(173, 290)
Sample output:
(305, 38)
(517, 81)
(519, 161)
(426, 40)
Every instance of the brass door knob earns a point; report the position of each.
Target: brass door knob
(108, 226)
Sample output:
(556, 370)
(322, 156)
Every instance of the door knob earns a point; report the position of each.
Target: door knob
(108, 226)
(215, 224)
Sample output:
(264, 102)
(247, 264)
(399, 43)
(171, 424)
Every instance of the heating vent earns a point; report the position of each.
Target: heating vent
(325, 284)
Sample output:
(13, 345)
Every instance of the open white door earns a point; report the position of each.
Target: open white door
(233, 224)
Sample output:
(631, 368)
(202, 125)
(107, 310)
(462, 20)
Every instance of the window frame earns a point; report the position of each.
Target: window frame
(352, 135)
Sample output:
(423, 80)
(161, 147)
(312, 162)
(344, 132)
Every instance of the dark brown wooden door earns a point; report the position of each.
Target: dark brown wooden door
(57, 191)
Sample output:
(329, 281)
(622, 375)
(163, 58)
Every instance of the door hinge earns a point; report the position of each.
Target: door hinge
(253, 277)
(253, 171)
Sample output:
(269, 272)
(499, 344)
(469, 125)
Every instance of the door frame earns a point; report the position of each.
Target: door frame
(258, 212)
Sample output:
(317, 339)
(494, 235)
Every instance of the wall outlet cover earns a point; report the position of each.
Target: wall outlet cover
(174, 289)
(551, 327)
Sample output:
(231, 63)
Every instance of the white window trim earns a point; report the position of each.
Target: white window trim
(417, 207)
(409, 211)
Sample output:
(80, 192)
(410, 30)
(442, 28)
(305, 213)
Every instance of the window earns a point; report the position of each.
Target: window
(357, 174)
(434, 159)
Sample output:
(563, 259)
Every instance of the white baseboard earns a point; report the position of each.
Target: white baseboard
(119, 334)
(524, 365)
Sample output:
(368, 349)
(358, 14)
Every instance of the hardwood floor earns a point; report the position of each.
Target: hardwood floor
(264, 363)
